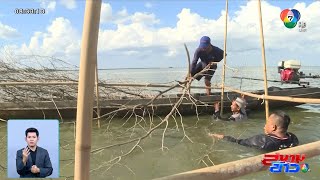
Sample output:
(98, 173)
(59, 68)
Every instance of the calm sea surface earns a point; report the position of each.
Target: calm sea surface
(180, 154)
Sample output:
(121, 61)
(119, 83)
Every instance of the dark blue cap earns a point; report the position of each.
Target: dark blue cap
(204, 42)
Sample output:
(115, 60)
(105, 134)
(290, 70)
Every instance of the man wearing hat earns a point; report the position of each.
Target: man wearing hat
(238, 109)
(207, 54)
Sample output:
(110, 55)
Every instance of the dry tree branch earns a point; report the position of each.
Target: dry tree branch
(55, 105)
(193, 100)
(118, 158)
(187, 84)
(2, 168)
(46, 71)
(147, 134)
(3, 120)
(175, 120)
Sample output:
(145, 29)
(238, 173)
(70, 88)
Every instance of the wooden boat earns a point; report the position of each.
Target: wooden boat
(161, 106)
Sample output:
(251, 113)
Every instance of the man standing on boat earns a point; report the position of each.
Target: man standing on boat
(208, 54)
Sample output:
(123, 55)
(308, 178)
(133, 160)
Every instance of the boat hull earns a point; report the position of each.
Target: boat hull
(161, 106)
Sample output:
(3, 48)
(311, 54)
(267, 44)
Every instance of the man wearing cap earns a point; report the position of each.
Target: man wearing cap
(207, 54)
(237, 108)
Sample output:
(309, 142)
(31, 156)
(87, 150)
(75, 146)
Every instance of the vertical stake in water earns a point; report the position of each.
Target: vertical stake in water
(85, 99)
(263, 61)
(97, 94)
(224, 59)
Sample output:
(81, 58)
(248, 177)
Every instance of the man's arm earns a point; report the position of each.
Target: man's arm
(194, 61)
(47, 169)
(21, 168)
(216, 115)
(218, 53)
(257, 141)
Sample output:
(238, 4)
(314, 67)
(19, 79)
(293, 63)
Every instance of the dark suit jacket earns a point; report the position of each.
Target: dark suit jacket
(42, 162)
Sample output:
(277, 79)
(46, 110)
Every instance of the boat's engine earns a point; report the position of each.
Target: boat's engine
(289, 71)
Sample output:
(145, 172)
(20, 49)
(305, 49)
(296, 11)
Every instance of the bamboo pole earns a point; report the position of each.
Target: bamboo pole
(86, 89)
(224, 59)
(263, 61)
(277, 98)
(100, 84)
(97, 94)
(244, 166)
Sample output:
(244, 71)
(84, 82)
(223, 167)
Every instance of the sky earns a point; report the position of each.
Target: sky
(142, 34)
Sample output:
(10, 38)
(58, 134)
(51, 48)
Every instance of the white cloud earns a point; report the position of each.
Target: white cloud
(131, 52)
(7, 32)
(137, 35)
(106, 13)
(48, 5)
(123, 13)
(69, 4)
(148, 5)
(122, 17)
(144, 18)
(60, 40)
(243, 32)
(172, 52)
(51, 6)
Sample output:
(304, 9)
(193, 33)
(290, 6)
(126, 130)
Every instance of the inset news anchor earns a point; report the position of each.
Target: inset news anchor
(33, 161)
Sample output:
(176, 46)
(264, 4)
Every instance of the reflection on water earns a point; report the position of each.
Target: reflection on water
(179, 153)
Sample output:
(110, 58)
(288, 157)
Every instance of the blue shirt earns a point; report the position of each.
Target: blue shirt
(215, 55)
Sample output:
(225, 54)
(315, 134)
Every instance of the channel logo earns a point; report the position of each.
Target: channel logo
(290, 17)
(289, 163)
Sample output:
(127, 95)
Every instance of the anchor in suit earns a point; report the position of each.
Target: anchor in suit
(33, 161)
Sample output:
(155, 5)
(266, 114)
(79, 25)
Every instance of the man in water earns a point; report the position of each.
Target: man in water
(275, 135)
(207, 53)
(237, 108)
(33, 161)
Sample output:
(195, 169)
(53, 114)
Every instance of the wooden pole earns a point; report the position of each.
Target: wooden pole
(277, 98)
(224, 59)
(244, 166)
(100, 84)
(263, 61)
(86, 89)
(97, 94)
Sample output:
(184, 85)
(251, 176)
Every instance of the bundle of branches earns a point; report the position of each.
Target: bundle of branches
(43, 69)
(149, 125)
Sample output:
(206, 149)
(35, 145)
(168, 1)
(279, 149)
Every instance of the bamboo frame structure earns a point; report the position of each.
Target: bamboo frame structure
(242, 167)
(224, 59)
(263, 60)
(86, 89)
(100, 84)
(279, 98)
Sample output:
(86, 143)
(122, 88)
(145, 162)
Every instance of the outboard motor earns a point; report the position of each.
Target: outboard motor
(289, 70)
(280, 66)
(287, 75)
